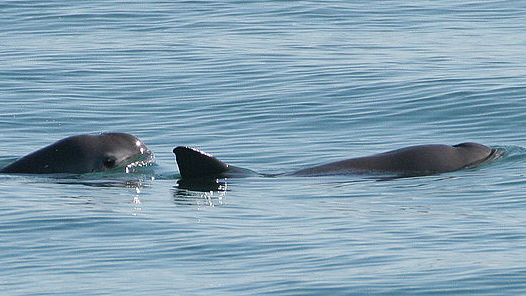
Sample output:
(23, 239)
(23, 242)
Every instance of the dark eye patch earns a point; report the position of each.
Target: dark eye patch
(109, 162)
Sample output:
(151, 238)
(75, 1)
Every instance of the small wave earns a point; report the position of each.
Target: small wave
(509, 154)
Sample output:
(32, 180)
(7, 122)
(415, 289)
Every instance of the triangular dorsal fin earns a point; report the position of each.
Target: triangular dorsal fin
(194, 163)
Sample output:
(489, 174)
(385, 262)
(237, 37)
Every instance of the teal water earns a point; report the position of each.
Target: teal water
(273, 86)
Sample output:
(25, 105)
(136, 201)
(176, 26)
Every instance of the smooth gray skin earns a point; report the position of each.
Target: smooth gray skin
(82, 154)
(194, 163)
(414, 160)
(409, 161)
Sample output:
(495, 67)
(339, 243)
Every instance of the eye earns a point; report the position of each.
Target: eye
(109, 162)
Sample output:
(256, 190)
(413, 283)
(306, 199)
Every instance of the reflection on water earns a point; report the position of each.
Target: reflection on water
(203, 185)
(138, 183)
(200, 192)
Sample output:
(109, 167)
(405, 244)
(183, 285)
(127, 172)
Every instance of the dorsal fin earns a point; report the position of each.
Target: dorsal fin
(194, 163)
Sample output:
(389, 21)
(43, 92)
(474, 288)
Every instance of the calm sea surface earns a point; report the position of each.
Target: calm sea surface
(272, 86)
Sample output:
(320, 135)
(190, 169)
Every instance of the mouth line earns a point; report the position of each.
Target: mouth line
(143, 160)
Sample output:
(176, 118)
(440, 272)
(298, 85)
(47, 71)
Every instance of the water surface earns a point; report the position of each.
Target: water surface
(275, 87)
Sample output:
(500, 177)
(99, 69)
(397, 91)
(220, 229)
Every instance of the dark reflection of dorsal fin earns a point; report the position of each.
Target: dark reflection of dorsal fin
(194, 163)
